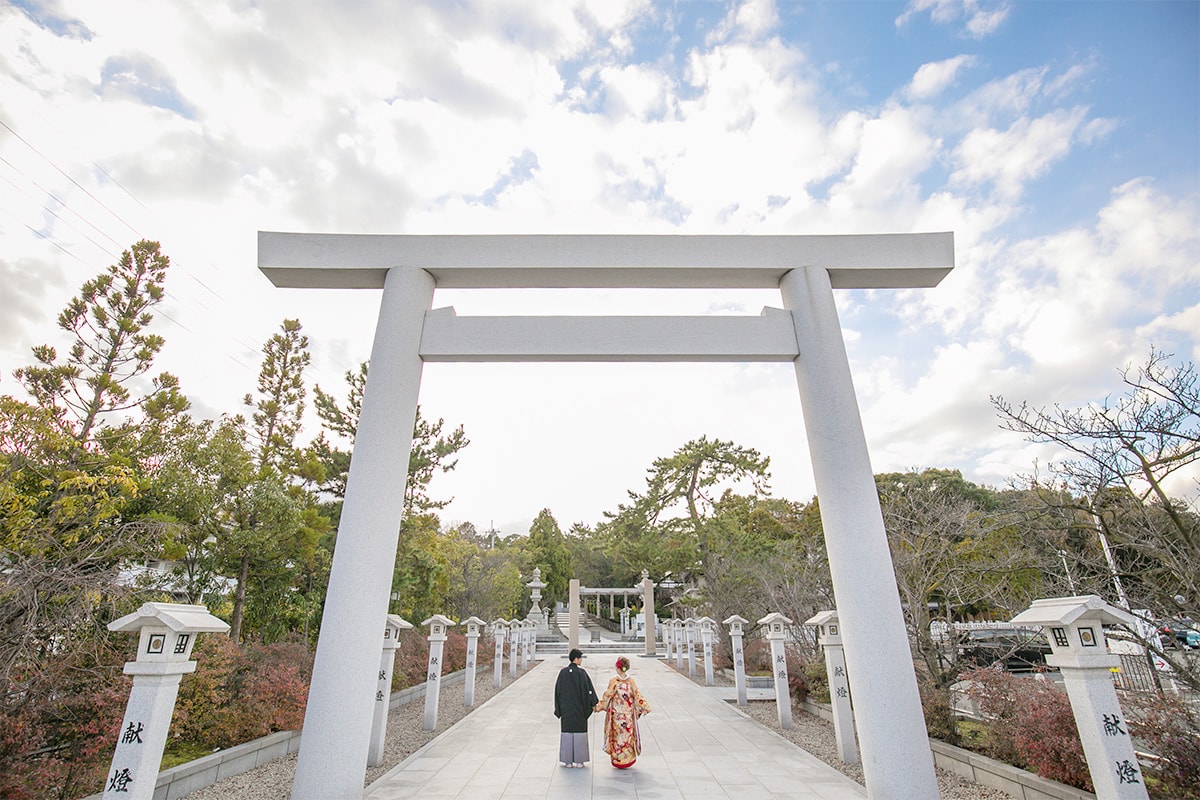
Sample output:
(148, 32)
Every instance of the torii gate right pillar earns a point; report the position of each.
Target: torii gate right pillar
(896, 759)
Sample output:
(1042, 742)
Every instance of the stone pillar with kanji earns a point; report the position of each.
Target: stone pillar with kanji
(573, 614)
(500, 632)
(166, 634)
(689, 628)
(625, 620)
(736, 632)
(514, 630)
(438, 625)
(383, 688)
(648, 612)
(706, 637)
(830, 636)
(1075, 629)
(668, 635)
(775, 625)
(531, 642)
(679, 644)
(473, 626)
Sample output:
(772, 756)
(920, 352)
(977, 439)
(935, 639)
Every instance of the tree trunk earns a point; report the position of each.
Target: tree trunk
(239, 600)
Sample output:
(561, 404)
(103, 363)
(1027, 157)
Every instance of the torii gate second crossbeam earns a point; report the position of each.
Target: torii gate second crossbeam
(897, 762)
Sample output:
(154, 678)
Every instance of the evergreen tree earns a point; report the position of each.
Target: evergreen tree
(108, 321)
(547, 548)
(280, 402)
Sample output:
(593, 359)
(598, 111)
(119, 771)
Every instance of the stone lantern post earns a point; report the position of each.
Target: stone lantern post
(500, 631)
(736, 631)
(829, 633)
(383, 689)
(166, 634)
(514, 647)
(520, 631)
(1074, 626)
(679, 643)
(774, 624)
(689, 629)
(473, 625)
(625, 620)
(438, 625)
(706, 637)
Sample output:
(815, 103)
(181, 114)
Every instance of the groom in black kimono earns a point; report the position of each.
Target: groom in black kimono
(574, 699)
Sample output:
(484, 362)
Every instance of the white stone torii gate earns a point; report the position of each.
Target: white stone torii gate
(897, 762)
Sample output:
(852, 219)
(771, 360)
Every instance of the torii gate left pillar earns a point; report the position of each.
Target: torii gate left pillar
(897, 763)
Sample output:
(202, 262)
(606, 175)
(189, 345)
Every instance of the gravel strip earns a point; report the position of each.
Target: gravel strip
(273, 780)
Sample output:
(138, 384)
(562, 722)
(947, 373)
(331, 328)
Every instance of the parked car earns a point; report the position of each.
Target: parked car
(1013, 649)
(1179, 633)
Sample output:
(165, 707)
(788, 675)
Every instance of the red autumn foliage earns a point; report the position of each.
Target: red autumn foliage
(1169, 727)
(58, 728)
(1030, 724)
(237, 695)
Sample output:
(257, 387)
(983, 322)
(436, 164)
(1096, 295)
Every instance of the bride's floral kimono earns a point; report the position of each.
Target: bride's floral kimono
(622, 704)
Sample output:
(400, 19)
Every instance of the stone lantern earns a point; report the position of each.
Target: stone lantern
(706, 625)
(736, 631)
(473, 626)
(537, 614)
(1075, 628)
(383, 689)
(500, 631)
(438, 625)
(166, 635)
(830, 635)
(775, 625)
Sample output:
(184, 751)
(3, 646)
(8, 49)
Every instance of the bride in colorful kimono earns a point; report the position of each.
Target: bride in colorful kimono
(622, 704)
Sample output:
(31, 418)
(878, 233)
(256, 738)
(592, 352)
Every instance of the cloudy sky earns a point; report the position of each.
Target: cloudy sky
(1059, 141)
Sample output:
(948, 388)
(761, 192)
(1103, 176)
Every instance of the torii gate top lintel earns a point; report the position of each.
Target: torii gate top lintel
(613, 261)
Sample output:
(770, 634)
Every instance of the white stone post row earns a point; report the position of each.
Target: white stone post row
(680, 642)
(668, 634)
(166, 635)
(776, 633)
(828, 630)
(383, 689)
(736, 631)
(473, 625)
(433, 676)
(1074, 626)
(500, 631)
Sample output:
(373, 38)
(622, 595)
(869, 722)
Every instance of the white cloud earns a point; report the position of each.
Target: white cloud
(1008, 159)
(981, 17)
(932, 78)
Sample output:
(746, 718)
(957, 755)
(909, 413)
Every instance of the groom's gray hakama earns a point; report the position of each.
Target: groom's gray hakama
(574, 700)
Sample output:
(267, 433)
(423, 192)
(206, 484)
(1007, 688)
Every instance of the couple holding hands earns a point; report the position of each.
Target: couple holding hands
(575, 700)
